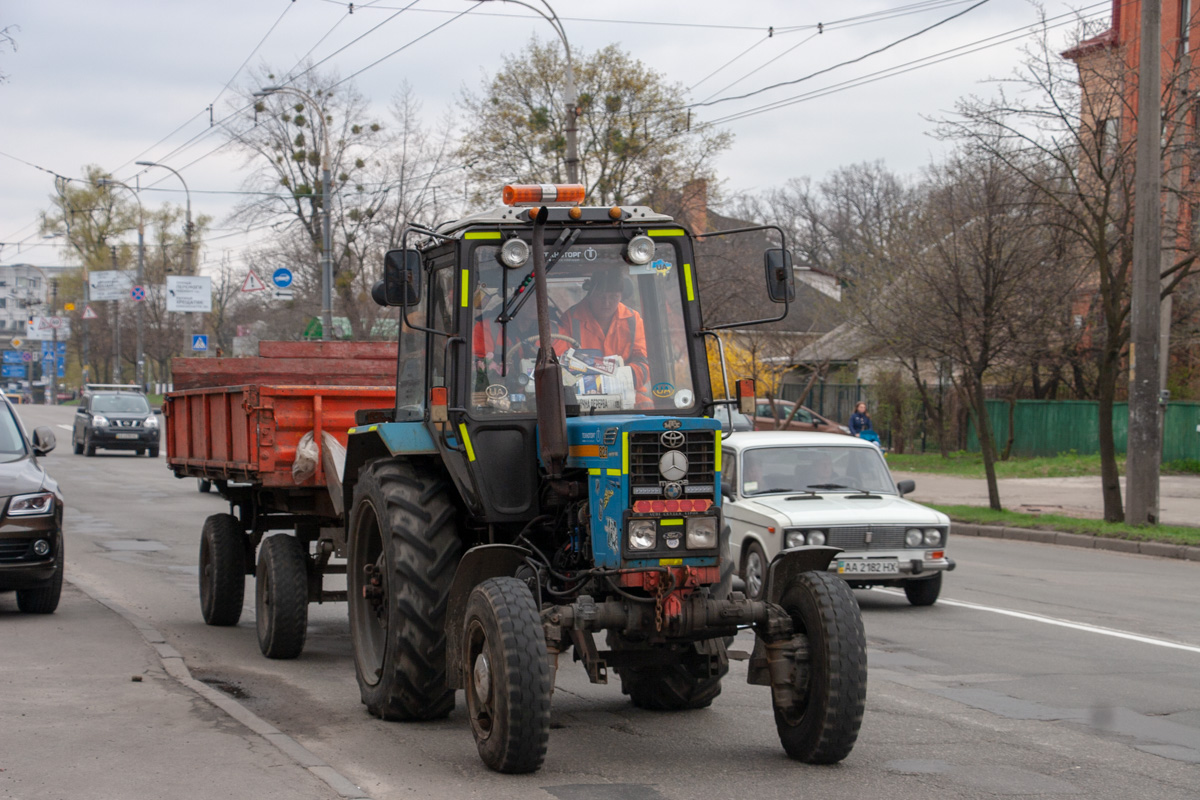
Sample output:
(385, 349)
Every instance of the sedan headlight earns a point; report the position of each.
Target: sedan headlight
(99, 421)
(31, 505)
(933, 537)
(642, 534)
(913, 537)
(150, 422)
(793, 539)
(701, 533)
(816, 537)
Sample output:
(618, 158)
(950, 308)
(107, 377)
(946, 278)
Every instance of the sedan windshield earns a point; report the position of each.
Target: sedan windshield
(766, 470)
(12, 443)
(120, 404)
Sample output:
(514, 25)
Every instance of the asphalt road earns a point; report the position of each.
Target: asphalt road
(1044, 671)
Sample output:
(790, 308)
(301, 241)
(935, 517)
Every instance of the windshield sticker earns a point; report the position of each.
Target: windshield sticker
(663, 389)
(660, 267)
(683, 398)
(614, 540)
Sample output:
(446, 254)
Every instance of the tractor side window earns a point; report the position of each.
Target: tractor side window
(441, 310)
(410, 377)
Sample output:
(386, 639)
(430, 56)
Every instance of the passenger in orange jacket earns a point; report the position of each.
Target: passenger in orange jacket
(601, 322)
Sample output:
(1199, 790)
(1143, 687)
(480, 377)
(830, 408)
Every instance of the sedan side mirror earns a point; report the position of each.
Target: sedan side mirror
(43, 440)
(906, 487)
(727, 489)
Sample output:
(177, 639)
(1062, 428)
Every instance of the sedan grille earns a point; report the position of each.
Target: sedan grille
(13, 550)
(882, 537)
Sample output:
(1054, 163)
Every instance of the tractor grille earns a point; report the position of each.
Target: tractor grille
(645, 450)
(13, 550)
(883, 537)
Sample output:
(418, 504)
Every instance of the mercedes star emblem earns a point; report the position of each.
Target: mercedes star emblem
(673, 465)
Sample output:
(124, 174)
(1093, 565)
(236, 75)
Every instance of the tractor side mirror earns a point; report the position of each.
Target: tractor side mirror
(401, 284)
(781, 287)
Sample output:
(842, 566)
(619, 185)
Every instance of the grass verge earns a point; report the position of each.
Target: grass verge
(1065, 465)
(982, 515)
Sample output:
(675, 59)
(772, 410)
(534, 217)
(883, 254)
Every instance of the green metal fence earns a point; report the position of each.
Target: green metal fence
(1050, 427)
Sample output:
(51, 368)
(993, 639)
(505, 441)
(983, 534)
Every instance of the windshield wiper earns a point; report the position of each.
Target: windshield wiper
(525, 288)
(812, 486)
(859, 494)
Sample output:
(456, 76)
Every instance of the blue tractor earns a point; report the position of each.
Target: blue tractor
(551, 470)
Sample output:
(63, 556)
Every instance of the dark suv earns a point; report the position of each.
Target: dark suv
(31, 539)
(114, 417)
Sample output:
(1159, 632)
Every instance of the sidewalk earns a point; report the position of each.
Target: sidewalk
(1179, 495)
(87, 710)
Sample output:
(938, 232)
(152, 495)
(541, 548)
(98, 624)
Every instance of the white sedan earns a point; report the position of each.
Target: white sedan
(788, 489)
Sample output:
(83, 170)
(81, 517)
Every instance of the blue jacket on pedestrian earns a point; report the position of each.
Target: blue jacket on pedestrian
(859, 422)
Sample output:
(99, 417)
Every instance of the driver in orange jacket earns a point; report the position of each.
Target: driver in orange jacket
(601, 322)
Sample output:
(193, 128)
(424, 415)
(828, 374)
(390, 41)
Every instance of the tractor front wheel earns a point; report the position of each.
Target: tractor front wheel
(821, 725)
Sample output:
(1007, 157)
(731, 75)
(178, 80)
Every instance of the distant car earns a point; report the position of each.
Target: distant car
(31, 539)
(115, 418)
(732, 420)
(805, 419)
(788, 489)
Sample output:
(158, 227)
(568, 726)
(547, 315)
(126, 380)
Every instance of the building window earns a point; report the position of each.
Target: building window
(3, 302)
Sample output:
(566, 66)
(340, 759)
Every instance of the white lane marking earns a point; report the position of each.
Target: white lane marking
(67, 427)
(1066, 623)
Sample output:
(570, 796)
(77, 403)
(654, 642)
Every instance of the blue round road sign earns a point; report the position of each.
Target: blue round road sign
(282, 277)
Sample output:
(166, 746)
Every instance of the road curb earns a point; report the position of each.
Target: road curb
(173, 664)
(1158, 549)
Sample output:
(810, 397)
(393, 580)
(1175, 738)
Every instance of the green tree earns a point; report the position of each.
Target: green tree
(634, 137)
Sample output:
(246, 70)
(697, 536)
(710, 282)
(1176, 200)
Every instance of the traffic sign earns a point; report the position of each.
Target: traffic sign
(253, 283)
(199, 342)
(109, 285)
(138, 293)
(17, 342)
(46, 328)
(188, 293)
(69, 306)
(88, 313)
(26, 356)
(282, 277)
(284, 294)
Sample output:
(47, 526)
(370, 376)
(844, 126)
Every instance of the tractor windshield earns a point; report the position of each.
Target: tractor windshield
(618, 330)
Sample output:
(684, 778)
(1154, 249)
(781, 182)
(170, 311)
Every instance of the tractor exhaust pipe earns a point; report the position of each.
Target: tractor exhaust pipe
(547, 378)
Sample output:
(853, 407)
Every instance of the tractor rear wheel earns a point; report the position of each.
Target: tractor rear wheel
(821, 725)
(507, 676)
(281, 596)
(404, 548)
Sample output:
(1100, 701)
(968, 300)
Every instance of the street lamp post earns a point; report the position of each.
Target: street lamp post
(572, 102)
(187, 230)
(141, 336)
(327, 236)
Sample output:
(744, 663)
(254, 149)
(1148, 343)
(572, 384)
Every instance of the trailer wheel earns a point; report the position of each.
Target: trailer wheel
(821, 725)
(222, 569)
(507, 675)
(203, 485)
(281, 596)
(404, 548)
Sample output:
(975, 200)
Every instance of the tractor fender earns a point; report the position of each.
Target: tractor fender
(789, 563)
(477, 565)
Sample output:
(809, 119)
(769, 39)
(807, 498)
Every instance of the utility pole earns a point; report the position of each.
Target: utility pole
(116, 328)
(1143, 455)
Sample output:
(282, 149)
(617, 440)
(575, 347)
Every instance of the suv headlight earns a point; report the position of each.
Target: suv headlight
(701, 533)
(99, 421)
(150, 422)
(642, 534)
(933, 537)
(913, 537)
(31, 505)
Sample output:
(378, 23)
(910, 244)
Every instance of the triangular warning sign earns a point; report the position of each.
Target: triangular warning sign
(88, 313)
(253, 283)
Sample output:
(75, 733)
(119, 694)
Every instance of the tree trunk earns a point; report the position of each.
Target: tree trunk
(987, 441)
(1012, 428)
(1110, 482)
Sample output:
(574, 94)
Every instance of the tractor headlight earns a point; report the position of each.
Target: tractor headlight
(514, 253)
(816, 537)
(933, 537)
(701, 533)
(642, 534)
(99, 421)
(793, 539)
(913, 537)
(639, 250)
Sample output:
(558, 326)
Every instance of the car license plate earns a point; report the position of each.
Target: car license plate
(127, 436)
(873, 566)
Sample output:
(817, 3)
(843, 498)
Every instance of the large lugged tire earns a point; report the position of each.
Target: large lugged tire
(676, 687)
(281, 596)
(923, 592)
(822, 727)
(44, 599)
(222, 569)
(507, 675)
(404, 548)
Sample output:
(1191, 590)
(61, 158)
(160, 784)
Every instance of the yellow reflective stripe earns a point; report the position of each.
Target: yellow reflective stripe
(670, 562)
(687, 281)
(594, 471)
(717, 464)
(665, 522)
(625, 453)
(614, 472)
(466, 441)
(482, 235)
(466, 287)
(662, 232)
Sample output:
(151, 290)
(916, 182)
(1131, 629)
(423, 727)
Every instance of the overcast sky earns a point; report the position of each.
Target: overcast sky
(109, 82)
